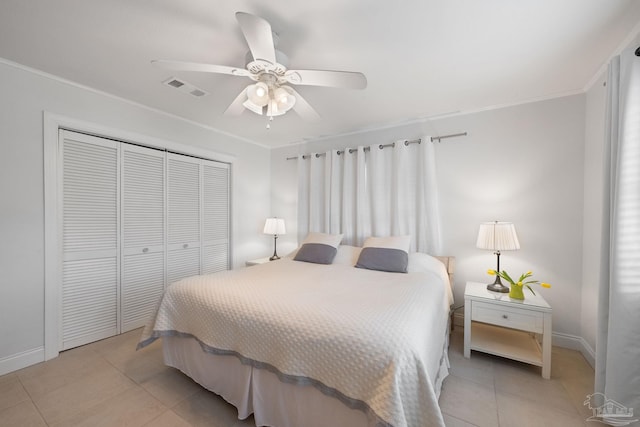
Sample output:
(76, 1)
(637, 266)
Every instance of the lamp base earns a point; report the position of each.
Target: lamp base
(275, 248)
(498, 287)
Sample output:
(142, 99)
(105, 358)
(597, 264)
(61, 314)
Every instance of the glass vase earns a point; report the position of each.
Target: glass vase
(516, 292)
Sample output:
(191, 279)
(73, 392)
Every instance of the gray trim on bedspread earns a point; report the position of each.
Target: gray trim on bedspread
(287, 378)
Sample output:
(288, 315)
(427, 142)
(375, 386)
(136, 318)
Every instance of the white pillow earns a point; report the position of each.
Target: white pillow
(392, 242)
(324, 238)
(347, 255)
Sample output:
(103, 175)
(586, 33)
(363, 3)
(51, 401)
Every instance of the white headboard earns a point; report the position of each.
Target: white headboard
(449, 263)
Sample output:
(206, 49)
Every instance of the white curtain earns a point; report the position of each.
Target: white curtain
(618, 339)
(372, 191)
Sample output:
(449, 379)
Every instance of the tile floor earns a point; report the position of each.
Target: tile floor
(108, 383)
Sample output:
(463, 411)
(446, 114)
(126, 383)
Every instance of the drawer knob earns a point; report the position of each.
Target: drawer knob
(145, 250)
(186, 245)
(504, 316)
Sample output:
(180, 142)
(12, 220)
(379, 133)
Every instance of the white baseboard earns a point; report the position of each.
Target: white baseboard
(21, 360)
(588, 352)
(559, 339)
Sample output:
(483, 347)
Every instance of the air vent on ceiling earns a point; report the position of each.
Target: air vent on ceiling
(186, 87)
(175, 83)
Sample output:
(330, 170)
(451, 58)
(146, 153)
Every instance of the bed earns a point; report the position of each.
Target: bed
(303, 344)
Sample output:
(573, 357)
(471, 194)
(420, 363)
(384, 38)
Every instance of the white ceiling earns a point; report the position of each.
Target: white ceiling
(422, 58)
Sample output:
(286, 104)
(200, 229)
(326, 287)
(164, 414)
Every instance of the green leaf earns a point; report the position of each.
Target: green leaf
(531, 289)
(506, 277)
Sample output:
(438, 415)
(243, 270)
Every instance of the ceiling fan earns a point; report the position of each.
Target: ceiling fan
(271, 94)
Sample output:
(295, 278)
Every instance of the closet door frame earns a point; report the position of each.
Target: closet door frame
(52, 124)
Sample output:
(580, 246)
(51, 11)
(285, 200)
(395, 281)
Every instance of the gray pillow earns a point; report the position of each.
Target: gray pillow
(383, 259)
(317, 253)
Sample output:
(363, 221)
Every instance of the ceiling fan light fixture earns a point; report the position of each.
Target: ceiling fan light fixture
(284, 99)
(273, 109)
(258, 94)
(249, 105)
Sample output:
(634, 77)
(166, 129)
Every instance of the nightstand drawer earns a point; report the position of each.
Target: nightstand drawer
(516, 318)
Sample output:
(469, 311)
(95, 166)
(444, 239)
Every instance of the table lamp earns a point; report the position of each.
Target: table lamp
(275, 227)
(498, 236)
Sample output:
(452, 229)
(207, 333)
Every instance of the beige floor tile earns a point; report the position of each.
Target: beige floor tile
(139, 365)
(7, 377)
(525, 381)
(80, 395)
(456, 340)
(469, 401)
(68, 367)
(23, 414)
(124, 349)
(479, 368)
(450, 421)
(142, 368)
(570, 364)
(171, 386)
(521, 412)
(127, 340)
(207, 409)
(577, 391)
(134, 407)
(12, 392)
(168, 419)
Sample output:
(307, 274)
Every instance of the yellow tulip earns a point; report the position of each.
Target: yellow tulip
(529, 273)
(545, 285)
(491, 272)
(519, 284)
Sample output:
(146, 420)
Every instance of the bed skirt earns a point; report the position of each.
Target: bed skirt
(260, 392)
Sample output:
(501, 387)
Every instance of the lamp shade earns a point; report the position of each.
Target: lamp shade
(274, 226)
(249, 105)
(498, 236)
(284, 98)
(258, 94)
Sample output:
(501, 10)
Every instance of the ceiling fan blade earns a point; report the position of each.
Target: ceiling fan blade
(236, 108)
(258, 34)
(302, 107)
(194, 66)
(342, 79)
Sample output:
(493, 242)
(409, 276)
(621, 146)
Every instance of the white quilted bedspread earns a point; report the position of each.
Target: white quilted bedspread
(374, 340)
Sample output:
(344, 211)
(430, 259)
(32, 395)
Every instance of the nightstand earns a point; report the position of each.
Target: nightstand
(257, 261)
(497, 324)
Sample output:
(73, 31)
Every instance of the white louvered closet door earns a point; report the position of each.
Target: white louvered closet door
(143, 234)
(183, 217)
(215, 216)
(90, 238)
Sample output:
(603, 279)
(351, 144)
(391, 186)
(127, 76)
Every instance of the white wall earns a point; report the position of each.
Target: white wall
(523, 164)
(24, 95)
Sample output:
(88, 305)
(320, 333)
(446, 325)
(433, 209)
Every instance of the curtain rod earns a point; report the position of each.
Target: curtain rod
(381, 146)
